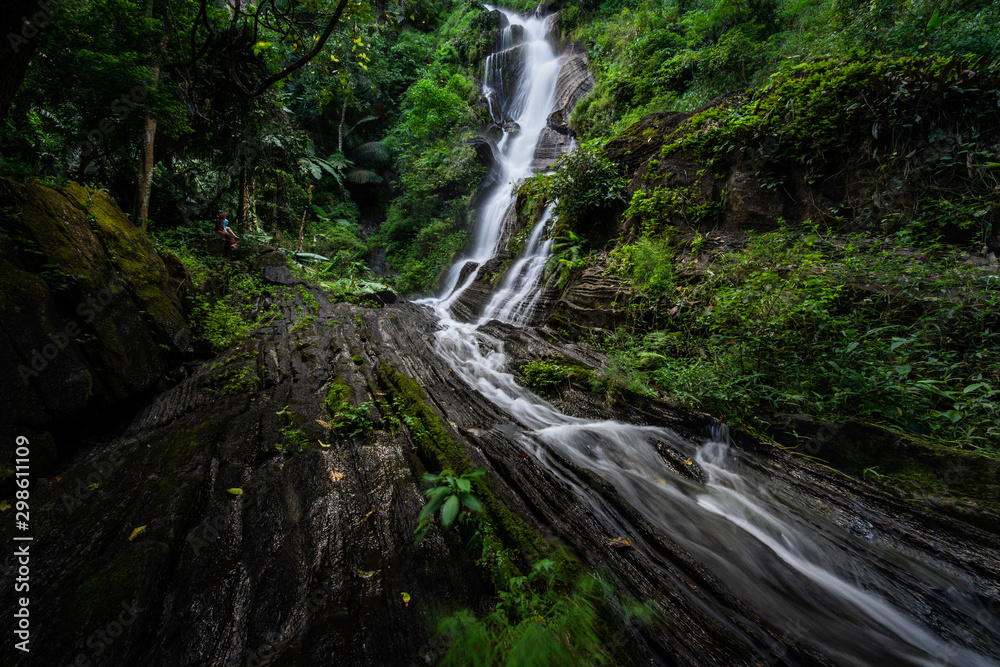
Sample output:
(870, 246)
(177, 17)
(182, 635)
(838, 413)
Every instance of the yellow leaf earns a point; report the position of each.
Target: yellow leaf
(322, 444)
(336, 475)
(235, 491)
(323, 423)
(406, 599)
(689, 462)
(369, 515)
(136, 533)
(5, 505)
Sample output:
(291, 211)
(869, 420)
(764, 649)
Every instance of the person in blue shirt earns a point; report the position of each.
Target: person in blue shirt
(222, 227)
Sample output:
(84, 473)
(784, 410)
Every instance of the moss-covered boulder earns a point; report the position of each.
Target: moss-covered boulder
(90, 317)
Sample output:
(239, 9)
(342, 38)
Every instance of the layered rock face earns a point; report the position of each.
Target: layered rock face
(233, 521)
(90, 316)
(574, 82)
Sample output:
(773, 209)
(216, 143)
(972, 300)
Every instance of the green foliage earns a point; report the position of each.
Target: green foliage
(354, 420)
(585, 184)
(220, 322)
(348, 420)
(452, 495)
(795, 322)
(545, 375)
(227, 319)
(655, 56)
(566, 259)
(663, 206)
(427, 224)
(547, 617)
(647, 264)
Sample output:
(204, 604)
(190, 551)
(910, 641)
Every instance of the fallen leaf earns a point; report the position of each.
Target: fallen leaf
(689, 462)
(136, 533)
(235, 491)
(406, 599)
(322, 444)
(336, 475)
(323, 424)
(661, 480)
(369, 515)
(619, 542)
(365, 574)
(5, 505)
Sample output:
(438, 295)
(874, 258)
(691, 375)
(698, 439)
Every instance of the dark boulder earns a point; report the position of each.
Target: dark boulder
(90, 315)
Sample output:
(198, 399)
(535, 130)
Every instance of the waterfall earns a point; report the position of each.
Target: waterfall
(528, 108)
(850, 599)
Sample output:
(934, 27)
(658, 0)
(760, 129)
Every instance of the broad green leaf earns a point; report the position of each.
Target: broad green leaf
(935, 21)
(471, 501)
(449, 511)
(954, 415)
(432, 506)
(464, 484)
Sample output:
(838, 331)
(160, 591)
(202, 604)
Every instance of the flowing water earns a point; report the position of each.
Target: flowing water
(853, 597)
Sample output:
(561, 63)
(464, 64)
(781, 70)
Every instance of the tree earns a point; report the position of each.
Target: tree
(20, 23)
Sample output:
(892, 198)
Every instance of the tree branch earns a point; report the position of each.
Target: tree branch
(320, 43)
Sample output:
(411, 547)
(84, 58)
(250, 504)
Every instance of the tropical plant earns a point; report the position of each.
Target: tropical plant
(452, 493)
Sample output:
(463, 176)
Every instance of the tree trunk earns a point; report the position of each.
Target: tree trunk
(274, 217)
(146, 163)
(243, 202)
(18, 42)
(144, 186)
(340, 128)
(302, 230)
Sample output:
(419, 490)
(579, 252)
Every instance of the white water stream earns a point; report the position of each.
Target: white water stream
(799, 570)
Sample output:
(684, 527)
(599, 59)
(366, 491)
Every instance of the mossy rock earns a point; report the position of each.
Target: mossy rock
(439, 450)
(961, 484)
(128, 248)
(89, 310)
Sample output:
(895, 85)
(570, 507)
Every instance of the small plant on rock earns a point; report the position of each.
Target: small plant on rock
(450, 494)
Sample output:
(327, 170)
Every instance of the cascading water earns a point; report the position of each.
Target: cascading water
(528, 107)
(847, 599)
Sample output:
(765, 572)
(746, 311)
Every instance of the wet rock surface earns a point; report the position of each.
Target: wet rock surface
(90, 317)
(249, 549)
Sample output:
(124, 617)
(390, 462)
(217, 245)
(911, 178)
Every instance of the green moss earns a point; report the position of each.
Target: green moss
(113, 584)
(438, 450)
(338, 396)
(20, 290)
(61, 231)
(128, 247)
